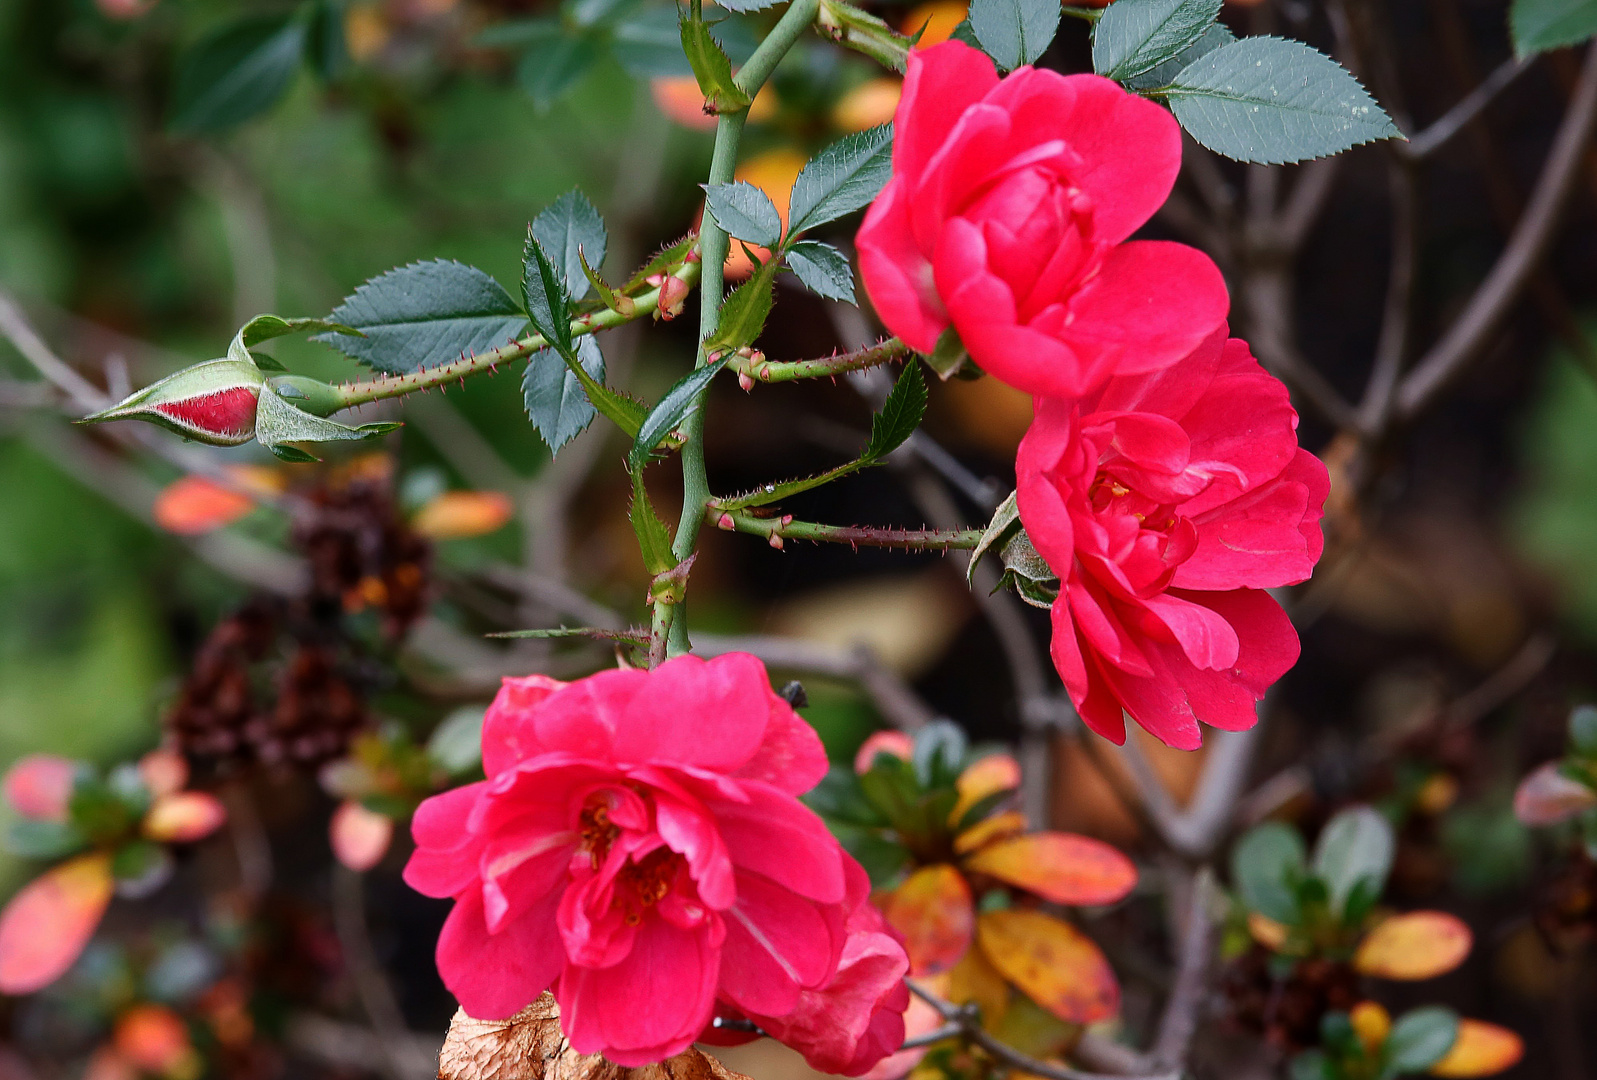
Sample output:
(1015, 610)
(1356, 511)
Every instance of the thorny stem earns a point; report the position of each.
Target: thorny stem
(769, 371)
(392, 386)
(713, 243)
(777, 529)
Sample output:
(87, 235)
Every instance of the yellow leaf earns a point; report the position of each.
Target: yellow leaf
(46, 925)
(986, 776)
(529, 1046)
(975, 979)
(1058, 866)
(1053, 962)
(1481, 1049)
(1418, 945)
(932, 909)
(939, 17)
(1372, 1024)
(988, 830)
(1266, 931)
(183, 817)
(456, 514)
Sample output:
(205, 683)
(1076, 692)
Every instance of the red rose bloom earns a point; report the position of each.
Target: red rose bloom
(639, 846)
(1006, 214)
(1167, 504)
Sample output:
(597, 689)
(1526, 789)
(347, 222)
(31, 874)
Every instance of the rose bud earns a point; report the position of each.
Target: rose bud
(213, 402)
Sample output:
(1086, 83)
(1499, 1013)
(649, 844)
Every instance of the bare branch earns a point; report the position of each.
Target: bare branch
(1392, 347)
(966, 1022)
(1425, 143)
(1495, 296)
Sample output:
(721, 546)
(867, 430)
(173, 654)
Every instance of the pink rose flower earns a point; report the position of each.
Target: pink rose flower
(1006, 217)
(1167, 503)
(639, 847)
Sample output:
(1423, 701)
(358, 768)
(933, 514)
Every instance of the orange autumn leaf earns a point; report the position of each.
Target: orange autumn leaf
(360, 837)
(457, 514)
(1418, 945)
(183, 817)
(1481, 1049)
(984, 777)
(46, 925)
(152, 1037)
(1055, 964)
(932, 909)
(986, 831)
(1372, 1024)
(1061, 867)
(197, 504)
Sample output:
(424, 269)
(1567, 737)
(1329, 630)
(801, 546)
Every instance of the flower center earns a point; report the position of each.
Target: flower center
(596, 829)
(645, 882)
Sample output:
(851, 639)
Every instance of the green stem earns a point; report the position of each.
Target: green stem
(713, 243)
(863, 32)
(1088, 14)
(768, 371)
(777, 529)
(392, 386)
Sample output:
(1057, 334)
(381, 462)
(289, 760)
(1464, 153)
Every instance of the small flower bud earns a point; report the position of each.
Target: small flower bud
(673, 294)
(213, 402)
(745, 382)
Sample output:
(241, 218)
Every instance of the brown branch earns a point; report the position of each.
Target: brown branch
(401, 1058)
(1392, 347)
(964, 1017)
(1495, 297)
(1425, 143)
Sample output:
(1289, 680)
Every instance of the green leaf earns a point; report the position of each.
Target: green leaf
(711, 67)
(743, 314)
(570, 230)
(747, 5)
(1262, 865)
(663, 261)
(33, 838)
(900, 415)
(1134, 36)
(425, 314)
(1269, 100)
(1027, 572)
(553, 65)
(1537, 25)
(823, 269)
(948, 357)
(1160, 75)
(1583, 730)
(1014, 32)
(548, 303)
(1355, 845)
(939, 753)
(1311, 1065)
(842, 178)
(556, 403)
(142, 864)
(325, 46)
(654, 540)
(611, 298)
(266, 327)
(838, 798)
(1419, 1039)
(519, 33)
(236, 73)
(277, 423)
(668, 414)
(744, 211)
(456, 744)
(1004, 524)
(648, 42)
